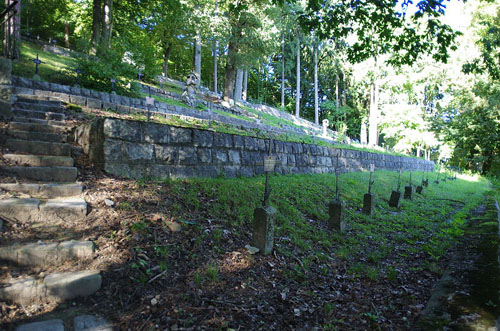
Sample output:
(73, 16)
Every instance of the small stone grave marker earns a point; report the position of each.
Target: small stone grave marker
(325, 126)
(37, 62)
(369, 198)
(336, 207)
(395, 199)
(263, 217)
(409, 189)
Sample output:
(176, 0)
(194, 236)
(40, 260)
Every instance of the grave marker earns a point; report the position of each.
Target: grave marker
(395, 199)
(336, 207)
(409, 189)
(369, 198)
(78, 71)
(437, 178)
(325, 126)
(263, 217)
(37, 62)
(140, 75)
(113, 82)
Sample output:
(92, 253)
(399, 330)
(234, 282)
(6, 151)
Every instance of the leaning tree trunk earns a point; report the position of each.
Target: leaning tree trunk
(238, 88)
(244, 94)
(107, 22)
(374, 114)
(297, 93)
(96, 26)
(316, 105)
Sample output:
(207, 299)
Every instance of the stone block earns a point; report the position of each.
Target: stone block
(22, 90)
(230, 171)
(204, 155)
(395, 199)
(49, 325)
(122, 109)
(263, 229)
(183, 172)
(156, 133)
(219, 156)
(166, 154)
(78, 100)
(91, 323)
(94, 103)
(86, 93)
(296, 148)
(20, 210)
(250, 143)
(188, 156)
(64, 97)
(125, 130)
(368, 203)
(69, 285)
(202, 138)
(262, 145)
(109, 106)
(63, 210)
(234, 157)
(24, 82)
(208, 171)
(238, 142)
(246, 171)
(223, 140)
(181, 135)
(137, 152)
(336, 212)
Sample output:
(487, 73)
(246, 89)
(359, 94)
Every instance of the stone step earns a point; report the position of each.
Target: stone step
(40, 136)
(40, 254)
(39, 121)
(40, 99)
(48, 108)
(56, 287)
(38, 114)
(44, 174)
(38, 147)
(49, 191)
(35, 127)
(40, 160)
(80, 323)
(54, 211)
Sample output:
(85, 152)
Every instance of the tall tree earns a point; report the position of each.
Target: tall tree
(107, 23)
(96, 26)
(316, 101)
(297, 93)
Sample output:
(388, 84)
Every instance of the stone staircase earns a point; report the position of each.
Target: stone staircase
(44, 196)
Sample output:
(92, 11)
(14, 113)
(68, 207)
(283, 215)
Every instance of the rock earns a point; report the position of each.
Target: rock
(50, 325)
(109, 203)
(173, 226)
(91, 323)
(252, 250)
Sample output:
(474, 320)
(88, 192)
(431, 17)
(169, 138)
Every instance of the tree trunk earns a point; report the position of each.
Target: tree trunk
(419, 151)
(297, 93)
(316, 101)
(197, 55)
(96, 26)
(337, 93)
(230, 73)
(244, 94)
(362, 135)
(107, 22)
(12, 37)
(166, 56)
(282, 71)
(238, 89)
(66, 34)
(216, 45)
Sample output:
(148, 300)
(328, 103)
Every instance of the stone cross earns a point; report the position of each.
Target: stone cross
(113, 82)
(370, 182)
(140, 75)
(325, 126)
(369, 198)
(269, 164)
(37, 62)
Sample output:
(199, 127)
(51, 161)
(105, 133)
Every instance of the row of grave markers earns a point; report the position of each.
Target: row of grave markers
(264, 216)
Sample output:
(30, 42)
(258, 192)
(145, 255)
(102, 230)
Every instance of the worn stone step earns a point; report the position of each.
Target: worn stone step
(44, 174)
(38, 147)
(40, 254)
(48, 325)
(40, 99)
(35, 127)
(38, 114)
(44, 190)
(91, 323)
(56, 287)
(55, 211)
(51, 108)
(39, 121)
(40, 160)
(40, 136)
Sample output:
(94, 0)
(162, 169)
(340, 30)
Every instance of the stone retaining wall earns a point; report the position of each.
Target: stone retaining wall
(136, 149)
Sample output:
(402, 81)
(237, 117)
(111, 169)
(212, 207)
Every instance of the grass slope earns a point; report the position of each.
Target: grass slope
(377, 275)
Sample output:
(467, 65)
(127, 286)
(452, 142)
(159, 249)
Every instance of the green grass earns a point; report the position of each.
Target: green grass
(426, 226)
(270, 119)
(56, 68)
(228, 114)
